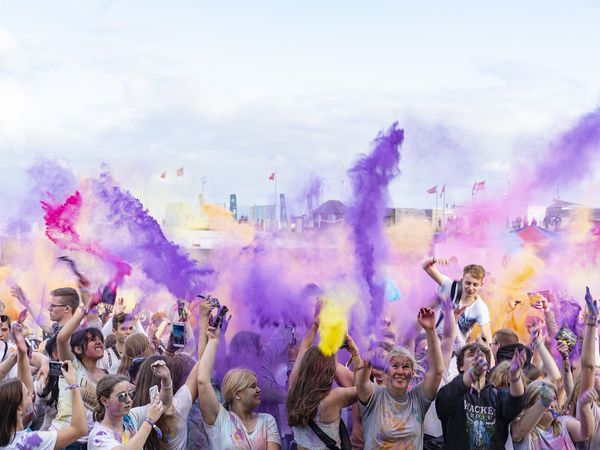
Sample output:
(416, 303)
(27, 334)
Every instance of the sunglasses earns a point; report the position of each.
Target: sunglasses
(4, 318)
(122, 396)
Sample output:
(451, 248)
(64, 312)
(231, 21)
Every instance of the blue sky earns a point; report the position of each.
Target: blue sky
(236, 90)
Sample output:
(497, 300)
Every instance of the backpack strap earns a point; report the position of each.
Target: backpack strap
(326, 439)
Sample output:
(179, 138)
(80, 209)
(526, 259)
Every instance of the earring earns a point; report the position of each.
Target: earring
(237, 397)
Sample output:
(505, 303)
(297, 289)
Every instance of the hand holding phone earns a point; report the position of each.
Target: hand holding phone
(178, 332)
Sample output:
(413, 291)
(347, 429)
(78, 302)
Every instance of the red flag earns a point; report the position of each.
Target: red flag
(432, 190)
(443, 191)
(480, 186)
(180, 171)
(272, 177)
(163, 175)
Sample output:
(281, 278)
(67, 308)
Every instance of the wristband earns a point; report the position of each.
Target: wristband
(153, 425)
(167, 387)
(514, 380)
(591, 324)
(85, 310)
(431, 262)
(71, 387)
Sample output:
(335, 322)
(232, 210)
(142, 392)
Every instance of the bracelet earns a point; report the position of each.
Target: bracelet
(514, 380)
(167, 387)
(591, 324)
(431, 262)
(153, 425)
(71, 387)
(85, 310)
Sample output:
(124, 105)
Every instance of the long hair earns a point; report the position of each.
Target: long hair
(11, 397)
(51, 388)
(81, 338)
(234, 381)
(145, 380)
(136, 345)
(103, 389)
(315, 377)
(532, 393)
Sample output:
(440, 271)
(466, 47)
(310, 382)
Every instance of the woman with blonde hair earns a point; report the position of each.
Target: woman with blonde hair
(540, 426)
(137, 348)
(233, 425)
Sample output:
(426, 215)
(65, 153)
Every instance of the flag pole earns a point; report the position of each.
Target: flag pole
(444, 205)
(436, 210)
(276, 216)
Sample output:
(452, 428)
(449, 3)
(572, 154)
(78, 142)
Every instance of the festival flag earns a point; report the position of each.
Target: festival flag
(163, 175)
(443, 191)
(180, 172)
(480, 186)
(432, 190)
(272, 176)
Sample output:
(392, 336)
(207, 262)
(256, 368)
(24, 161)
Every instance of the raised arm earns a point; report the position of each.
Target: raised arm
(523, 424)
(588, 358)
(429, 266)
(449, 332)
(207, 400)
(138, 440)
(161, 370)
(7, 365)
(78, 426)
(64, 336)
(516, 386)
(362, 371)
(567, 375)
(582, 428)
(307, 340)
(23, 370)
(18, 293)
(433, 377)
(550, 367)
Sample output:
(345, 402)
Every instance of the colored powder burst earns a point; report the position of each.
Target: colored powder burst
(161, 260)
(370, 179)
(61, 220)
(333, 326)
(571, 155)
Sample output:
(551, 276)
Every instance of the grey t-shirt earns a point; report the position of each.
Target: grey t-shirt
(386, 420)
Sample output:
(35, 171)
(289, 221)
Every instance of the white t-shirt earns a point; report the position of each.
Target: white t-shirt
(110, 362)
(103, 438)
(32, 440)
(476, 312)
(6, 348)
(182, 402)
(229, 432)
(87, 388)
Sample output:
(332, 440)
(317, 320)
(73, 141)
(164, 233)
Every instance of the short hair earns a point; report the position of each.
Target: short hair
(118, 319)
(475, 270)
(405, 353)
(69, 295)
(460, 356)
(234, 381)
(506, 336)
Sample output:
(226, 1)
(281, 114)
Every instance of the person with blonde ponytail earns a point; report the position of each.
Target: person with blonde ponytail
(118, 424)
(233, 425)
(137, 347)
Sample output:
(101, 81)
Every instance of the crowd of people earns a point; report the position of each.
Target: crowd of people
(92, 375)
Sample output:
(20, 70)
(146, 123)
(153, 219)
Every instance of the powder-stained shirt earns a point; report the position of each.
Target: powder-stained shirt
(476, 313)
(103, 438)
(228, 432)
(474, 420)
(539, 439)
(87, 387)
(390, 423)
(32, 440)
(594, 441)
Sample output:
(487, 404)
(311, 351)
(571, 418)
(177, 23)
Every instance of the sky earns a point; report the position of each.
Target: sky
(234, 91)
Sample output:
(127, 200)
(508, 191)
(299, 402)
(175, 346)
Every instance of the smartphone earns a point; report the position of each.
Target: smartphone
(55, 368)
(214, 302)
(178, 332)
(567, 336)
(109, 295)
(153, 392)
(180, 308)
(218, 322)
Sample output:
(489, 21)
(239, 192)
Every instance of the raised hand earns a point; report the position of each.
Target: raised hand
(588, 396)
(18, 338)
(119, 306)
(155, 409)
(517, 363)
(481, 364)
(69, 372)
(546, 395)
(562, 348)
(160, 369)
(18, 293)
(95, 300)
(213, 333)
(426, 318)
(592, 304)
(22, 316)
(205, 308)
